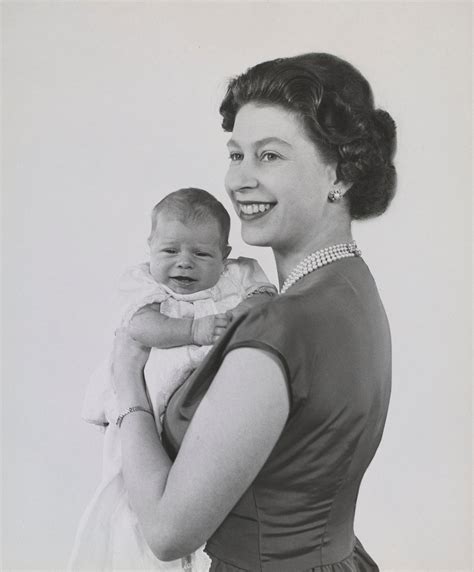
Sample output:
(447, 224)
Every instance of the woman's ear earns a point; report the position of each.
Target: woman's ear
(337, 188)
(342, 186)
(334, 181)
(226, 251)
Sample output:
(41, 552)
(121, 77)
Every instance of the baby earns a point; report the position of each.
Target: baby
(192, 286)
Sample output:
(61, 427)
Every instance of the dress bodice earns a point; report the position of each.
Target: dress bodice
(331, 335)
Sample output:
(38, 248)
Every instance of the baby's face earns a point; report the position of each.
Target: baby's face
(186, 257)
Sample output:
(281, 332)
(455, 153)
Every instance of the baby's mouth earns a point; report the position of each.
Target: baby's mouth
(183, 280)
(254, 209)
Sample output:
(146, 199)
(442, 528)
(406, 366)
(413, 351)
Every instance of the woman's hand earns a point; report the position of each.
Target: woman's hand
(129, 359)
(129, 354)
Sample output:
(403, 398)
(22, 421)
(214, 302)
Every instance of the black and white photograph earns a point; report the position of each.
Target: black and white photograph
(236, 286)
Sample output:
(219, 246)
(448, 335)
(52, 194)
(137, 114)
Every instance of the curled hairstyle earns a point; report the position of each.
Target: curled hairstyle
(336, 106)
(195, 205)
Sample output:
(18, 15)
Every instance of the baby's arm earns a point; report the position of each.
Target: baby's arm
(155, 330)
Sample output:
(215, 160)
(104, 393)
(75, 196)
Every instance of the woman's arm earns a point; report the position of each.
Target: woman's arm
(153, 329)
(236, 426)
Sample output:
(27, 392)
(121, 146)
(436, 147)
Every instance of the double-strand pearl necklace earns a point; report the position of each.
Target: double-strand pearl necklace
(318, 259)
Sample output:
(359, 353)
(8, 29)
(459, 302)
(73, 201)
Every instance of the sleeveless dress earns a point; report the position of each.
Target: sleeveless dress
(332, 338)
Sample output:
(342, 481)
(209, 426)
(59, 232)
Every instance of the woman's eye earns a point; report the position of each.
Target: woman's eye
(169, 250)
(269, 156)
(236, 156)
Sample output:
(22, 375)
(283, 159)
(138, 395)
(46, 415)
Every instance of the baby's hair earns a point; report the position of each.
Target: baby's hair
(192, 204)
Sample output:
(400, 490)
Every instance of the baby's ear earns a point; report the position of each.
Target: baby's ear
(226, 252)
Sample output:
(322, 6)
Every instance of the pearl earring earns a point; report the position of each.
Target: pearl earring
(335, 195)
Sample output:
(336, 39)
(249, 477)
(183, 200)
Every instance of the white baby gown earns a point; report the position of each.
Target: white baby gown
(109, 536)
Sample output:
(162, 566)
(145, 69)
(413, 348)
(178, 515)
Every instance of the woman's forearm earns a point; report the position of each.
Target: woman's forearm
(145, 464)
(145, 470)
(180, 505)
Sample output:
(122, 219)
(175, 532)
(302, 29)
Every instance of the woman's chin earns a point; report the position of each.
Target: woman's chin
(254, 237)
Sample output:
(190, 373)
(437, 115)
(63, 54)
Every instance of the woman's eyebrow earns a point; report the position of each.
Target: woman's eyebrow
(260, 142)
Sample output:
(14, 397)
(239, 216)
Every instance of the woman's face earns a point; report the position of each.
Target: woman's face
(277, 179)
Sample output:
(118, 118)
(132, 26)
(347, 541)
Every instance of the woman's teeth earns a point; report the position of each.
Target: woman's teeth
(254, 208)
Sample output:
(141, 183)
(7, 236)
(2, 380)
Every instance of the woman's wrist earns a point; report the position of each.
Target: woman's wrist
(133, 399)
(128, 364)
(130, 389)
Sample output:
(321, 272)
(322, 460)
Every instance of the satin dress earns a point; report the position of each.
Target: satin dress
(331, 335)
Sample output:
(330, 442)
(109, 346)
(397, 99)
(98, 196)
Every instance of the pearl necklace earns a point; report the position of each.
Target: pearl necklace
(318, 259)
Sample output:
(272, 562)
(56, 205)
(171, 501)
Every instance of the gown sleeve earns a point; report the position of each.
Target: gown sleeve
(249, 276)
(138, 289)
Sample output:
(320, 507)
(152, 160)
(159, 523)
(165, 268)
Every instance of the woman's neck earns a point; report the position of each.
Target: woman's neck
(287, 259)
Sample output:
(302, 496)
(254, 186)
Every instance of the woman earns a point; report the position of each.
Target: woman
(272, 435)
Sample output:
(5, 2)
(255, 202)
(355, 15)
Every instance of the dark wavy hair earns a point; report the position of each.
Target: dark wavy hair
(336, 105)
(192, 204)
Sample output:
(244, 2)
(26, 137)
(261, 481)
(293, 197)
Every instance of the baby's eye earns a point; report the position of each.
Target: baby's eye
(236, 156)
(203, 254)
(269, 156)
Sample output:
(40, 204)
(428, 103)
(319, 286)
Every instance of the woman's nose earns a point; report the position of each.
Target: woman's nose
(241, 176)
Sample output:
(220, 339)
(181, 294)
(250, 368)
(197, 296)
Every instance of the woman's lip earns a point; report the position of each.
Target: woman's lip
(254, 215)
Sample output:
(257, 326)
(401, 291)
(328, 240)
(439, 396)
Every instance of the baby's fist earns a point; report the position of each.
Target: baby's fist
(207, 330)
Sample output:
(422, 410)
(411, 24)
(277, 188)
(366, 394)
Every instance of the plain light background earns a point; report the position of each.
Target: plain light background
(107, 107)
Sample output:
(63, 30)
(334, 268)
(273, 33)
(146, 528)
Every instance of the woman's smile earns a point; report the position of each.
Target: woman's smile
(253, 210)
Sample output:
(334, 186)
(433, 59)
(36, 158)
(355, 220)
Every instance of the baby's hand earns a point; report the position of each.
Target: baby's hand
(207, 330)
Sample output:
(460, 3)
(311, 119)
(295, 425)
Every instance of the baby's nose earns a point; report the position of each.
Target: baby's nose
(184, 261)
